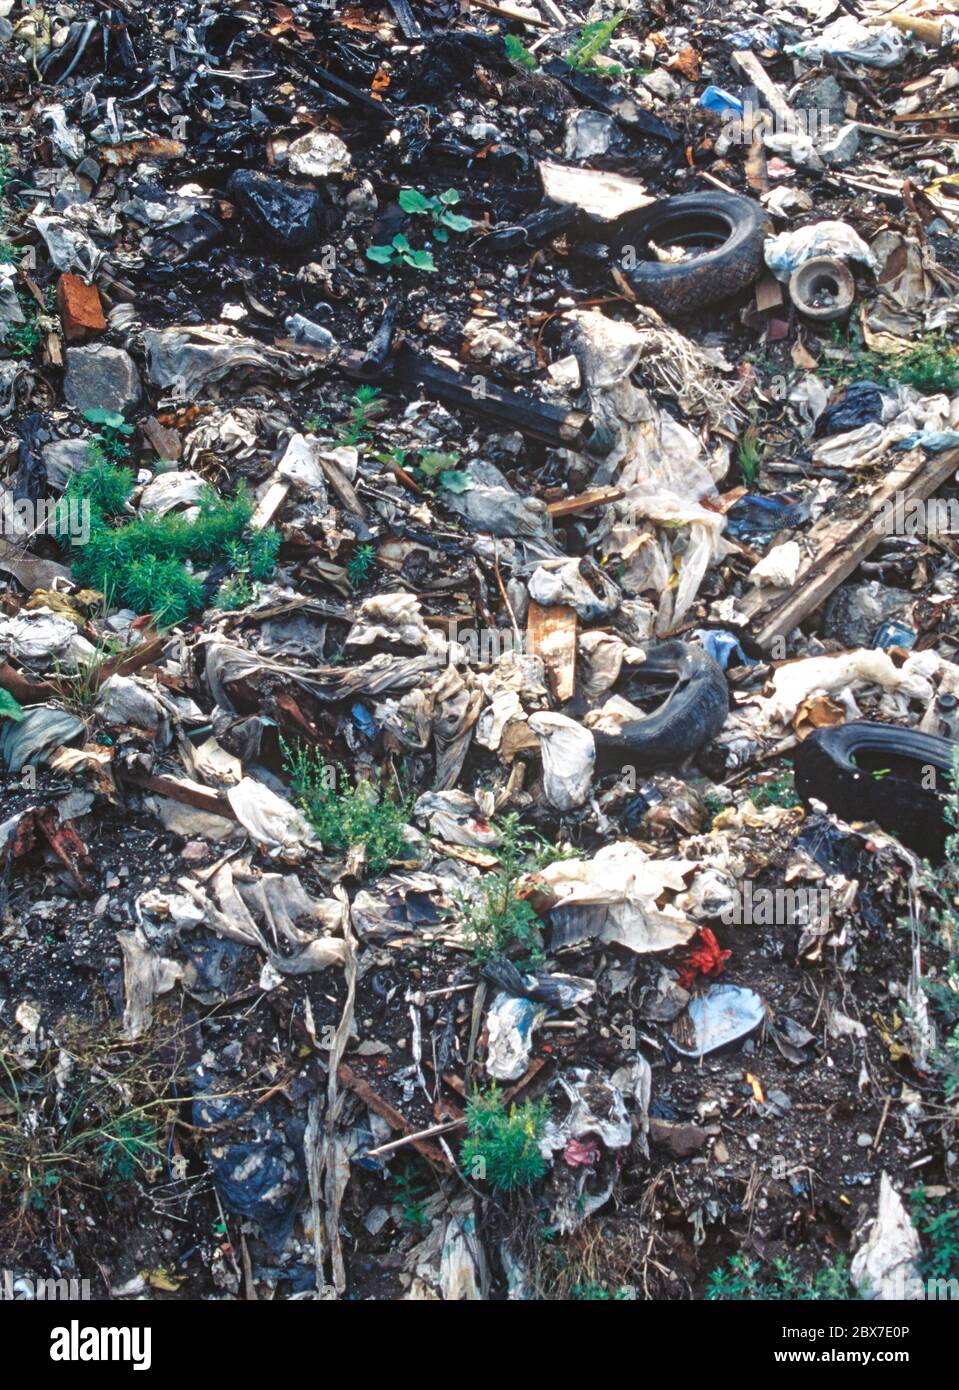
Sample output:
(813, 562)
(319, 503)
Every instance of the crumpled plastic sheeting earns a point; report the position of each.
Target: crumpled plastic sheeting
(11, 310)
(491, 506)
(227, 663)
(123, 700)
(450, 1264)
(582, 1179)
(785, 252)
(172, 489)
(513, 1019)
(660, 464)
(258, 1168)
(915, 295)
(389, 618)
(272, 822)
(884, 1267)
(797, 681)
(563, 584)
(40, 638)
(279, 903)
(32, 738)
(70, 249)
(601, 657)
(453, 816)
(569, 754)
(846, 37)
(871, 442)
(612, 897)
(15, 377)
(182, 360)
(145, 976)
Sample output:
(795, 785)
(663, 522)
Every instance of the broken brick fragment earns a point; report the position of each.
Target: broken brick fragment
(80, 309)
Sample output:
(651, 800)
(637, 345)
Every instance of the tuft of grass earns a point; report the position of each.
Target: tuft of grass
(502, 1146)
(749, 454)
(739, 1280)
(347, 816)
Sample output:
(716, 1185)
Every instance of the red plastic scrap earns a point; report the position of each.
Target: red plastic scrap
(707, 958)
(582, 1154)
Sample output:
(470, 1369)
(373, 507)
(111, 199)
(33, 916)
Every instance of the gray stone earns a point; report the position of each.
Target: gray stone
(100, 378)
(843, 146)
(63, 458)
(825, 97)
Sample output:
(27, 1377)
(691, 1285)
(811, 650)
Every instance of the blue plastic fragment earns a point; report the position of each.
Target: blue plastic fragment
(716, 99)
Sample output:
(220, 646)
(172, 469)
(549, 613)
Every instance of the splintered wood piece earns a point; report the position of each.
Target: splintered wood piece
(551, 634)
(599, 497)
(838, 546)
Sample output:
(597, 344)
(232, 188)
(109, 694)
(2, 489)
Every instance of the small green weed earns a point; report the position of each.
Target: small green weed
(497, 922)
(518, 53)
(360, 563)
(593, 39)
(113, 434)
(938, 1227)
(439, 210)
(739, 1280)
(148, 562)
(351, 816)
(502, 1147)
(400, 252)
(749, 454)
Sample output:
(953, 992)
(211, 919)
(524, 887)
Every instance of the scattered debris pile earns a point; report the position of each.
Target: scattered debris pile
(478, 649)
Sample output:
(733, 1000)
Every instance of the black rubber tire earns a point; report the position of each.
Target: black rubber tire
(825, 770)
(735, 229)
(690, 717)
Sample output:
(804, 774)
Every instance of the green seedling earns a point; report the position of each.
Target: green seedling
(399, 251)
(438, 210)
(593, 39)
(113, 433)
(518, 53)
(359, 565)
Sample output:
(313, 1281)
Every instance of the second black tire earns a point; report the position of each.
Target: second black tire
(725, 231)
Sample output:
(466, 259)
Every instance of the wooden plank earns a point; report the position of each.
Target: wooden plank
(551, 634)
(840, 546)
(599, 497)
(270, 503)
(752, 69)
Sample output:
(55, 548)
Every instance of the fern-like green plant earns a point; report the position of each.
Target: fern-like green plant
(149, 562)
(502, 1146)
